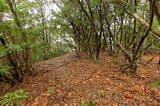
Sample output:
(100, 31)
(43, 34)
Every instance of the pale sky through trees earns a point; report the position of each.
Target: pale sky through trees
(48, 8)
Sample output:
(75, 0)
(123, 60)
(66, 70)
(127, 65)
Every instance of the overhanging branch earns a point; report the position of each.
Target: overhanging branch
(143, 22)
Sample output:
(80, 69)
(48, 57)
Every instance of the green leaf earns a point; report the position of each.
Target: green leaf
(5, 70)
(13, 98)
(101, 92)
(155, 84)
(91, 103)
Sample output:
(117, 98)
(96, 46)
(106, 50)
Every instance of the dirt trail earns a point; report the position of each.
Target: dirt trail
(72, 79)
(49, 65)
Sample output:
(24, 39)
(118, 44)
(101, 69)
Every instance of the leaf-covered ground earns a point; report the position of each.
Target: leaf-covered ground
(68, 80)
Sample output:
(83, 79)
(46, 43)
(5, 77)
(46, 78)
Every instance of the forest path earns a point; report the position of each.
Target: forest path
(48, 65)
(66, 80)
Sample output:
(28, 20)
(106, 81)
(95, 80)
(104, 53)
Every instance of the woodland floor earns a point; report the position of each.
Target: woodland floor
(74, 79)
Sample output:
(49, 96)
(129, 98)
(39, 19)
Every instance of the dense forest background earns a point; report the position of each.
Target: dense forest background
(35, 30)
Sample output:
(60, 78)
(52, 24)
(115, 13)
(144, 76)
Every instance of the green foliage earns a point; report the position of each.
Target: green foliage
(91, 103)
(158, 44)
(50, 91)
(9, 49)
(156, 25)
(95, 2)
(101, 92)
(29, 34)
(155, 84)
(4, 70)
(87, 103)
(3, 6)
(14, 48)
(13, 98)
(3, 51)
(57, 52)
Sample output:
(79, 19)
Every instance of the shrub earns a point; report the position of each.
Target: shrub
(13, 98)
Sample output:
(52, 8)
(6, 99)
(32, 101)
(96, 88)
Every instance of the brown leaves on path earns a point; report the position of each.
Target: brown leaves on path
(75, 79)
